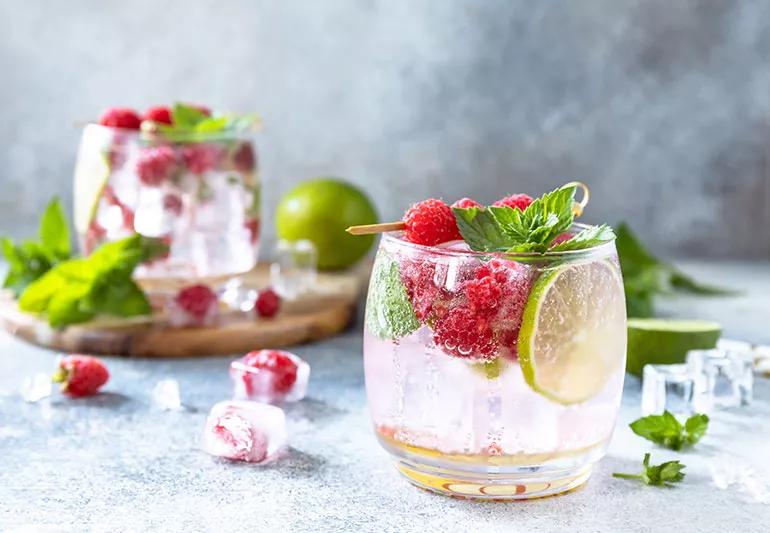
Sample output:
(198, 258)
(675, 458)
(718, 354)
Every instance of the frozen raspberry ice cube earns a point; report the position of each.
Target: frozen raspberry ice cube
(244, 431)
(272, 376)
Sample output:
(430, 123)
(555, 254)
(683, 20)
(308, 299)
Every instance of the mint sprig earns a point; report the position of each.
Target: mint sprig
(389, 313)
(505, 229)
(665, 430)
(660, 475)
(77, 290)
(190, 123)
(31, 259)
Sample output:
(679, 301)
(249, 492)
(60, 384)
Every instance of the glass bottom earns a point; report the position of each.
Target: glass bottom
(463, 484)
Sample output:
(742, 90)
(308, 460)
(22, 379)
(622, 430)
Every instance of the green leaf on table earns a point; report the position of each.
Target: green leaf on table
(665, 430)
(660, 475)
(54, 232)
(389, 313)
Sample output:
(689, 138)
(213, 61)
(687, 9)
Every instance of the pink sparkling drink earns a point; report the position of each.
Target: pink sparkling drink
(494, 375)
(201, 195)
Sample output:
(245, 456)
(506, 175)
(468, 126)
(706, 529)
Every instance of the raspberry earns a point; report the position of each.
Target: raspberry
(268, 303)
(197, 301)
(240, 439)
(461, 332)
(430, 222)
(418, 279)
(515, 283)
(280, 366)
(244, 159)
(466, 203)
(159, 113)
(120, 117)
(172, 203)
(515, 201)
(155, 165)
(252, 226)
(199, 158)
(81, 375)
(483, 294)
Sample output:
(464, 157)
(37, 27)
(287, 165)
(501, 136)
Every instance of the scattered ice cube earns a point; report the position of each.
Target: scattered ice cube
(165, 395)
(236, 295)
(244, 431)
(271, 376)
(727, 377)
(294, 270)
(672, 388)
(35, 388)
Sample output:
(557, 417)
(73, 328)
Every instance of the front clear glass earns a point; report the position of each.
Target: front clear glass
(494, 376)
(201, 195)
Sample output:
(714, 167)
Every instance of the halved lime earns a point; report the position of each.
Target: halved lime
(573, 332)
(92, 171)
(661, 341)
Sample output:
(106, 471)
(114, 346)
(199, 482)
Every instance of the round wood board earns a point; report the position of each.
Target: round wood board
(323, 311)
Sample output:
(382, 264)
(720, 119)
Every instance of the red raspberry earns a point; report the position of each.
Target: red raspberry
(463, 333)
(466, 203)
(483, 294)
(199, 158)
(252, 226)
(240, 438)
(515, 201)
(172, 203)
(244, 159)
(268, 303)
(197, 301)
(81, 375)
(418, 279)
(159, 113)
(430, 222)
(155, 165)
(515, 282)
(278, 363)
(120, 117)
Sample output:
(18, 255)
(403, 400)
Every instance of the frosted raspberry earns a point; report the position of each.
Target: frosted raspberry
(268, 303)
(120, 117)
(155, 165)
(244, 159)
(237, 438)
(172, 203)
(430, 222)
(196, 303)
(161, 114)
(199, 158)
(515, 201)
(461, 332)
(466, 203)
(278, 364)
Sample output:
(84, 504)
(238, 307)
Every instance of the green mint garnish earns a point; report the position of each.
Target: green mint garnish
(389, 313)
(645, 276)
(668, 432)
(505, 229)
(660, 475)
(29, 260)
(77, 290)
(190, 123)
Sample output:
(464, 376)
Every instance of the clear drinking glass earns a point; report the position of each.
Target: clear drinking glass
(494, 376)
(200, 193)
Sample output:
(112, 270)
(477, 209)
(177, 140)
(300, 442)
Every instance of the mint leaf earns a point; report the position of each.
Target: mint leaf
(389, 313)
(665, 430)
(660, 475)
(587, 238)
(186, 117)
(212, 124)
(54, 232)
(481, 229)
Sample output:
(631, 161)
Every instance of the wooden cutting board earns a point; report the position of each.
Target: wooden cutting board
(323, 311)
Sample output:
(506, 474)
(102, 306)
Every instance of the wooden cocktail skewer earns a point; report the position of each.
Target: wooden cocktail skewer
(370, 229)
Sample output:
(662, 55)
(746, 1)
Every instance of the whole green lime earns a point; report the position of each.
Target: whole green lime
(320, 210)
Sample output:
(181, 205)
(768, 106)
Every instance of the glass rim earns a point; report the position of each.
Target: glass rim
(609, 246)
(193, 136)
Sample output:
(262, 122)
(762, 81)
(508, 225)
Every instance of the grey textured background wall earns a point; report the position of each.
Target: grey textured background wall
(662, 106)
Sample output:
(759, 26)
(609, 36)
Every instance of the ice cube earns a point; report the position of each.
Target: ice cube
(236, 295)
(293, 271)
(35, 388)
(151, 218)
(272, 376)
(244, 431)
(165, 395)
(672, 388)
(725, 376)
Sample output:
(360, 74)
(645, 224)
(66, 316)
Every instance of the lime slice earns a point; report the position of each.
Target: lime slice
(656, 341)
(91, 174)
(572, 335)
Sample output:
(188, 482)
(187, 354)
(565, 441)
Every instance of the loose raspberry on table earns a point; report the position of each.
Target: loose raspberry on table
(281, 366)
(161, 114)
(464, 333)
(515, 201)
(199, 158)
(198, 301)
(120, 117)
(81, 375)
(155, 165)
(466, 203)
(268, 303)
(430, 222)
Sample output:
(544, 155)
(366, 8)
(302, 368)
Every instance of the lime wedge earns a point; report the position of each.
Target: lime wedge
(572, 335)
(91, 174)
(656, 341)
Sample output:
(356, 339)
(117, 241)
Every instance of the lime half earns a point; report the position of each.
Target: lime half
(659, 341)
(573, 332)
(92, 171)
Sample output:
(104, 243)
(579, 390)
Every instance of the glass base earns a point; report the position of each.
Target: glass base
(490, 486)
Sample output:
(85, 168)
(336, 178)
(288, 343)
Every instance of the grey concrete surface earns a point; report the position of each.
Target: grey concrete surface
(115, 463)
(663, 107)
